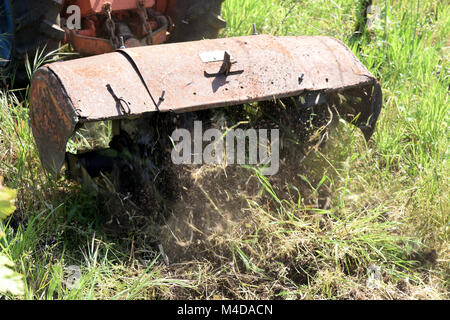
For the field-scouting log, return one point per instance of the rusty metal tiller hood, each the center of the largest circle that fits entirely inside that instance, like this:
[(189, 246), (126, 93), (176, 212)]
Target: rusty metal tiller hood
[(191, 76)]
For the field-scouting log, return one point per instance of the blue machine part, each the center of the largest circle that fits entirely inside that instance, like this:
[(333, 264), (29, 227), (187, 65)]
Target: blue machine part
[(6, 32)]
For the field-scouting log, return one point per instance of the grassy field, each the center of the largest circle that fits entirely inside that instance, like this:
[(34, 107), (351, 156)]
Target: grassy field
[(386, 205)]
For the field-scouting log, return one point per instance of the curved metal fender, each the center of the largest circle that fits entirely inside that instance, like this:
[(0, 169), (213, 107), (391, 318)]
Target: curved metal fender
[(183, 77)]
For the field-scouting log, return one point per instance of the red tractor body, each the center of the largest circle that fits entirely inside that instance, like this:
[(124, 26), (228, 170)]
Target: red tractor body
[(93, 31), (90, 7)]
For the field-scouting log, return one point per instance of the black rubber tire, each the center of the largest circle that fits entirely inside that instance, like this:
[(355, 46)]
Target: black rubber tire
[(196, 20), (36, 26)]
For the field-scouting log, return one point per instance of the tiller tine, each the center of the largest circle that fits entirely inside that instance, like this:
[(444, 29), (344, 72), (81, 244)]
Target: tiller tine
[(189, 76)]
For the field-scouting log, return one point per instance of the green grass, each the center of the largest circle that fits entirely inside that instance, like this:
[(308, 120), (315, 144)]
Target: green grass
[(388, 198)]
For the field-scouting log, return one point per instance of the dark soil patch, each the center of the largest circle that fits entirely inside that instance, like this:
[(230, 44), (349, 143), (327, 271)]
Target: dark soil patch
[(190, 208), (200, 193)]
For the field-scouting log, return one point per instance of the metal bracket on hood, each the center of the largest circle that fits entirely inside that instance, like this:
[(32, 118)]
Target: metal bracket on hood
[(225, 69)]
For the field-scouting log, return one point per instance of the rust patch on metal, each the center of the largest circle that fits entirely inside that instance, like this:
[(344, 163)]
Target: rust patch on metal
[(52, 119), (89, 45)]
